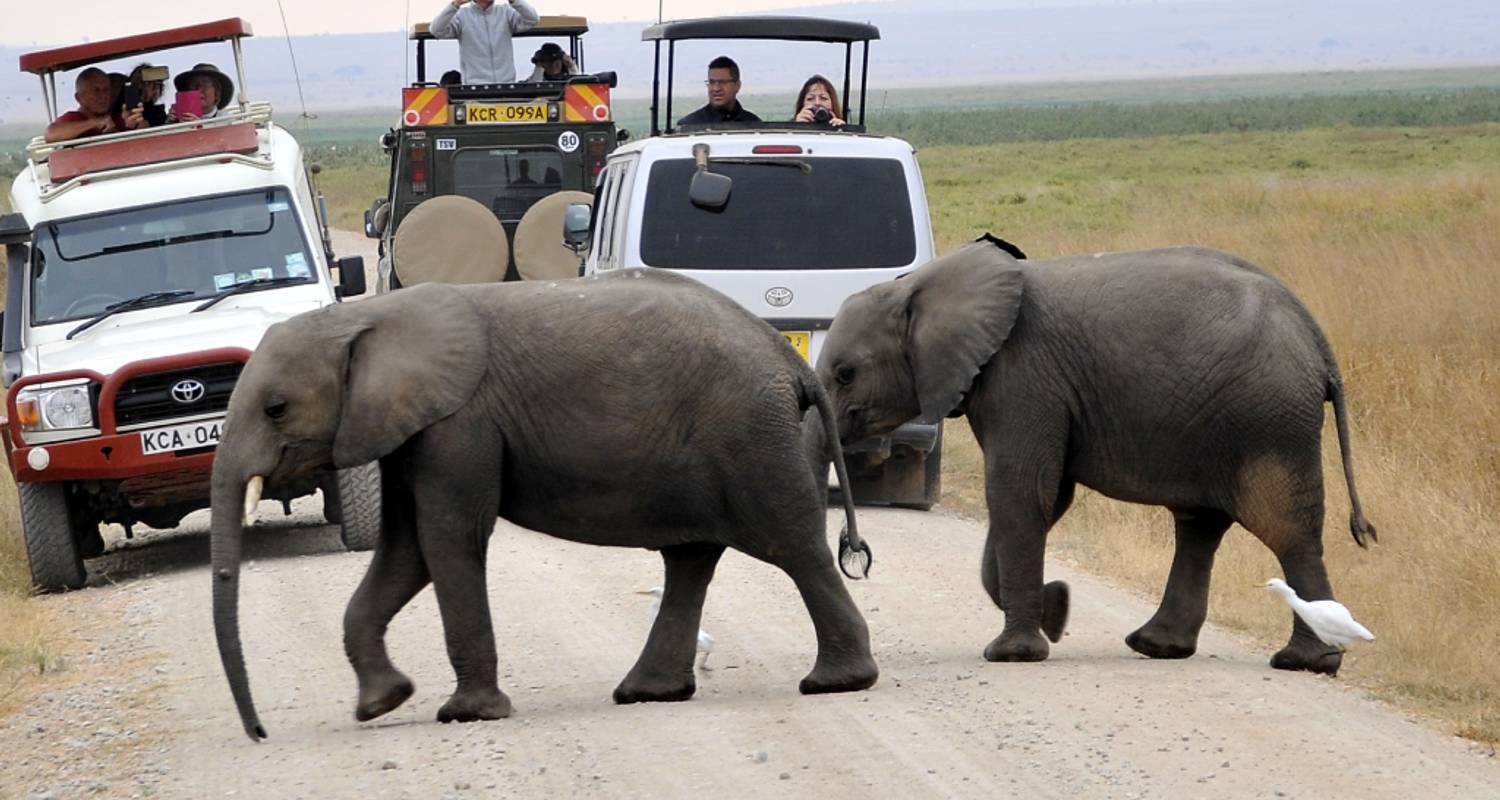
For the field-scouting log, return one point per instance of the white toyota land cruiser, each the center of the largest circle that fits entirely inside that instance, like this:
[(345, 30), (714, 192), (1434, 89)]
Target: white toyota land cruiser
[(142, 269), (788, 219)]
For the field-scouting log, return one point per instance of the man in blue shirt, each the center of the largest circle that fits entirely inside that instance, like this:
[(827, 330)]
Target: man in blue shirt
[(483, 29), (723, 97)]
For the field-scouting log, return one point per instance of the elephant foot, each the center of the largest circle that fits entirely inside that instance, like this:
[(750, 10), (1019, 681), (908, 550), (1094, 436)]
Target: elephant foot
[(1154, 641), (657, 689), (382, 695), (1055, 604), (852, 675), (475, 705), (1018, 646), (1309, 657)]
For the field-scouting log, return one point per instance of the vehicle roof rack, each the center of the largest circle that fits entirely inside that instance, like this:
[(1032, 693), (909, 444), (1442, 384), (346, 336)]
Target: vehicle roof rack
[(796, 29), (782, 28)]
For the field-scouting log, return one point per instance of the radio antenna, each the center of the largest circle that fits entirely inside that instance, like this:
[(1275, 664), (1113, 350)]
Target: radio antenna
[(296, 73)]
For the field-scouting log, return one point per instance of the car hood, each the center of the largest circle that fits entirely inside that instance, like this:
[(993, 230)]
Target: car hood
[(124, 338)]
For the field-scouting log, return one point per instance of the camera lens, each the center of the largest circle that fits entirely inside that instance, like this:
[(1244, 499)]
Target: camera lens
[(822, 115)]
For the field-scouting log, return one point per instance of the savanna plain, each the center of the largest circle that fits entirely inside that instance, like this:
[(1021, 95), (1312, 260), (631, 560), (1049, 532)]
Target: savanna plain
[(1379, 207)]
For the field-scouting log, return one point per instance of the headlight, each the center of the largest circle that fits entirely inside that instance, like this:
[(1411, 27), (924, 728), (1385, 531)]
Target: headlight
[(52, 408)]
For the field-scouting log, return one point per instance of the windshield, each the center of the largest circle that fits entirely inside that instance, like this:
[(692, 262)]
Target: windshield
[(204, 246), (846, 213)]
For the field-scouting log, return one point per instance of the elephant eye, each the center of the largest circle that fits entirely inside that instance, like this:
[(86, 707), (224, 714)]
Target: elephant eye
[(276, 408), (844, 374)]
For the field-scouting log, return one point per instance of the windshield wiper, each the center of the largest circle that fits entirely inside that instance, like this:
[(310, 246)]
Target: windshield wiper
[(765, 162), (144, 301), (241, 288)]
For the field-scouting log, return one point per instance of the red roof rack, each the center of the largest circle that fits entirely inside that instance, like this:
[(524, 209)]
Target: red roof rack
[(65, 58)]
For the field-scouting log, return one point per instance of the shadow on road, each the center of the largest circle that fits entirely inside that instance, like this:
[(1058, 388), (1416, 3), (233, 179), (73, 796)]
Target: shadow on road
[(186, 547)]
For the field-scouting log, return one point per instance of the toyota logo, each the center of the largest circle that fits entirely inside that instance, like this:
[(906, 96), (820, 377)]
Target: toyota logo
[(188, 391), (779, 296)]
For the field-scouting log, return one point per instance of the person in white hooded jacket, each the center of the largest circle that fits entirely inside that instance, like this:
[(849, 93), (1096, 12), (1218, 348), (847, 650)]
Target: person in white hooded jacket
[(483, 29)]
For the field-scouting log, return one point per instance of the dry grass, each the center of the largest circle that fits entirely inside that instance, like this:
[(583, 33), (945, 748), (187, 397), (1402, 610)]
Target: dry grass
[(1401, 266)]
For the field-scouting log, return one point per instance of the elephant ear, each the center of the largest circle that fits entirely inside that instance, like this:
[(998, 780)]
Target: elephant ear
[(416, 357), (960, 309)]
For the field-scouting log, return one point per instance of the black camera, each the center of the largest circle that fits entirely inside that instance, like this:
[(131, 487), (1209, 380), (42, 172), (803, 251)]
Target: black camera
[(822, 115)]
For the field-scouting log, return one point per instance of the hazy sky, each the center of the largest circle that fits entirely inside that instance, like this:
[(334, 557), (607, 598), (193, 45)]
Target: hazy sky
[(37, 24)]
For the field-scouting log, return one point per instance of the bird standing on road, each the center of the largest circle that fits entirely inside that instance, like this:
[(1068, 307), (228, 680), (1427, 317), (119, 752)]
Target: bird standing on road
[(705, 642), (1329, 620)]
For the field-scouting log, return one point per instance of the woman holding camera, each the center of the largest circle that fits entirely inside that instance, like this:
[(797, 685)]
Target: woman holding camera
[(818, 102)]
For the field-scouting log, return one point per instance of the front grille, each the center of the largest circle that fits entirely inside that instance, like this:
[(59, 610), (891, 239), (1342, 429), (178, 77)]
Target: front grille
[(148, 398)]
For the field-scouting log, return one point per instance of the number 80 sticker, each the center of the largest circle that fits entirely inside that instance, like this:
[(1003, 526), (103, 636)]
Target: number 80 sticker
[(568, 141)]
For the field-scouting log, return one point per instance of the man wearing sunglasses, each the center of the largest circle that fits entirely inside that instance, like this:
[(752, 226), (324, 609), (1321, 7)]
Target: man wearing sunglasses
[(723, 92)]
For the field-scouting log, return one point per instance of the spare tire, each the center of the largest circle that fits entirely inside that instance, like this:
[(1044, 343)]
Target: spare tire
[(450, 239), (540, 252)]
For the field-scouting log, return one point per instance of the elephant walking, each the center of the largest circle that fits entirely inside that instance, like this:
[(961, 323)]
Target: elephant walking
[(1182, 377), (638, 409)]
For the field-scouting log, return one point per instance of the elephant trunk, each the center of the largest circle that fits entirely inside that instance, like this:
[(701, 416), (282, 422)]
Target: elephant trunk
[(231, 504)]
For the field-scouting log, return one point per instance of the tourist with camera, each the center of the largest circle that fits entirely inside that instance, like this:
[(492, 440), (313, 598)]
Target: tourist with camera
[(818, 103)]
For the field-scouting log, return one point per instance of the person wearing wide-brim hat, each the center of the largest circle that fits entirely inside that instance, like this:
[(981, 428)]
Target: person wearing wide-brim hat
[(552, 64), (216, 87)]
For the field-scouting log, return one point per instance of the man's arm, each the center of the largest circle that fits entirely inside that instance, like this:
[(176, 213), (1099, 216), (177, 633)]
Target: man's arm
[(444, 24), (526, 17), (66, 128)]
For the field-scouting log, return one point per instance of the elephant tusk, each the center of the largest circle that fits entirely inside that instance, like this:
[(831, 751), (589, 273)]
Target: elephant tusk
[(252, 498)]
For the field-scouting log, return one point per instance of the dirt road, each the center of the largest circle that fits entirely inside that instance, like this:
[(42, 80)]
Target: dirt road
[(151, 715)]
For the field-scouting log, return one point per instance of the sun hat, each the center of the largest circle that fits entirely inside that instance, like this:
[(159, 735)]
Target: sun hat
[(184, 81)]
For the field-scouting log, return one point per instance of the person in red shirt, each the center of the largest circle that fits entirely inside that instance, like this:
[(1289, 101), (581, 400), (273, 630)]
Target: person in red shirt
[(93, 115)]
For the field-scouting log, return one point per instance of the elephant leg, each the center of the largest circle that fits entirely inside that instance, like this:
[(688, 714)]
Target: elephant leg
[(1055, 594), (397, 572), (1303, 566), (664, 671), (1172, 632), (456, 513), (1281, 502), (844, 662)]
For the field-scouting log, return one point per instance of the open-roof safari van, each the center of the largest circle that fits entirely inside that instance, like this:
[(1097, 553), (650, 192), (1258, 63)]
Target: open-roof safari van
[(787, 218), (142, 268), (498, 161)]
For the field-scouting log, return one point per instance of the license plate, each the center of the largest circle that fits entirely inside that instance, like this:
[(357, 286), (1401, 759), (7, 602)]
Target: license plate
[(181, 437), (800, 341), (501, 113)]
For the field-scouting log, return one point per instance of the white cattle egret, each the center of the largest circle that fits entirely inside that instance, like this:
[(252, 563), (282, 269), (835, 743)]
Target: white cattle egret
[(1332, 623), (705, 642)]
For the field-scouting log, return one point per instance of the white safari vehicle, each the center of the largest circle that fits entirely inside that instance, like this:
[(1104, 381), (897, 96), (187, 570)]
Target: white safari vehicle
[(142, 268), (787, 218)]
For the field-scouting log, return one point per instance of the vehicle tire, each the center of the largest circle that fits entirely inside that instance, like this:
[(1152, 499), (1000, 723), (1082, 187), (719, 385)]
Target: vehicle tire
[(51, 546), (358, 504)]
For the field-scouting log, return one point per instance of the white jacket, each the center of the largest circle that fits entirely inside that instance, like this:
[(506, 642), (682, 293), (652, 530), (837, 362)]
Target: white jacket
[(485, 54)]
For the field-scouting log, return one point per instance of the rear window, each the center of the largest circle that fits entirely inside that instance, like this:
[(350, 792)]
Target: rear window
[(507, 180), (843, 213)]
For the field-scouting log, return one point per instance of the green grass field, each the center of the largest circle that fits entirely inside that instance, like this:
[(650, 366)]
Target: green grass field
[(1377, 202)]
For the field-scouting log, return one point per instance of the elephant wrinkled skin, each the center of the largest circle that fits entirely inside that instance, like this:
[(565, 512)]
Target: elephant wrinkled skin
[(639, 409), (1182, 377)]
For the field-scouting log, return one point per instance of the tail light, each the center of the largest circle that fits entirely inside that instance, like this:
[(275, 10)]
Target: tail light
[(598, 144), (416, 166)]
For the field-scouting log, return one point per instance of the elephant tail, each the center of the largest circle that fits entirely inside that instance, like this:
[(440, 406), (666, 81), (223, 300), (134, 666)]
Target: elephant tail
[(854, 552), (1363, 531)]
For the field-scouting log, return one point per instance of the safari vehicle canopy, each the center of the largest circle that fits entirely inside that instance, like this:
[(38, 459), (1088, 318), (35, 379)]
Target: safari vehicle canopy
[(143, 267), (791, 29), (506, 147)]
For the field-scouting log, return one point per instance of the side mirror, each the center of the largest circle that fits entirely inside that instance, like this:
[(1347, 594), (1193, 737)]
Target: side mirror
[(14, 229), (576, 226), (351, 276), (377, 216), (708, 190), (622, 136)]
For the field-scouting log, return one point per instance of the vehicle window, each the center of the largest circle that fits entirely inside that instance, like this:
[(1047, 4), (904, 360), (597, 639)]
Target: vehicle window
[(508, 181), (843, 213), (205, 245), (611, 213)]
